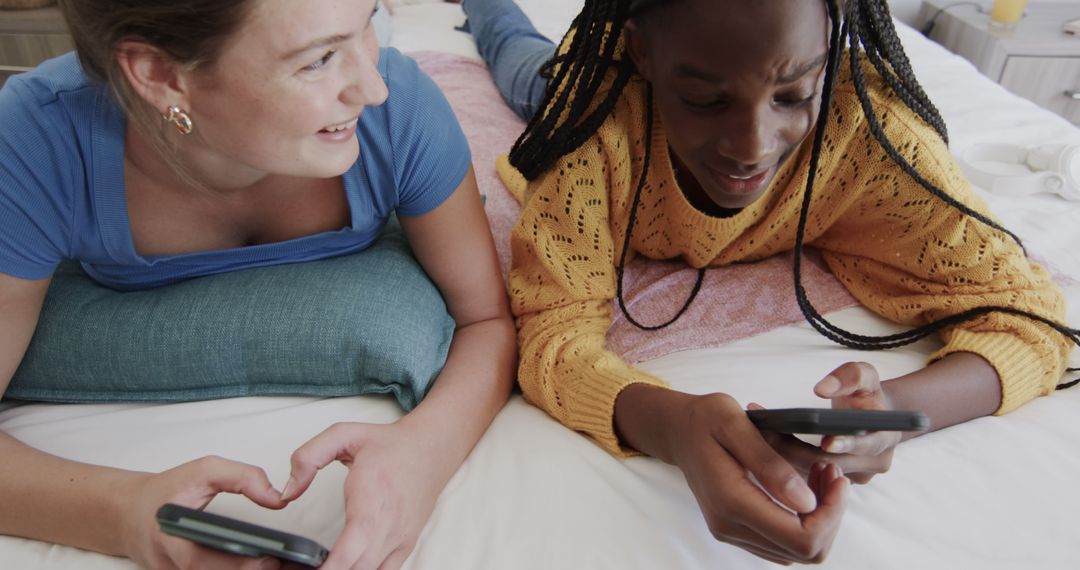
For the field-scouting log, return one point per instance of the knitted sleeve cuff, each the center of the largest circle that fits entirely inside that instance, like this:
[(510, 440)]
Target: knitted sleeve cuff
[(592, 409), (1025, 374)]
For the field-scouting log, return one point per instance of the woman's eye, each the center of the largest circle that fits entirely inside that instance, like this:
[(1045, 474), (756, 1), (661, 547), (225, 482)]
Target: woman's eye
[(796, 100), (703, 104), (321, 62)]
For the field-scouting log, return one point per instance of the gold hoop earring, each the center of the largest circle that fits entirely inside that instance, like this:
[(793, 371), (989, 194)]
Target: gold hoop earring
[(179, 119)]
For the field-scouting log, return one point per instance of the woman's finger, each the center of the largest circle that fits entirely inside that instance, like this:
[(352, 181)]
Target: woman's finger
[(858, 379), (750, 541), (871, 444), (358, 547), (397, 558), (832, 487), (763, 553), (800, 454), (779, 479), (213, 475), (183, 553), (332, 444), (809, 536)]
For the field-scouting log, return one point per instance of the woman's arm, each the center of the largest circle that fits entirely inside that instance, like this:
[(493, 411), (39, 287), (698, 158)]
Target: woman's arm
[(911, 257), (45, 497), (454, 245), (20, 305), (957, 388), (397, 471), (914, 259), (100, 508)]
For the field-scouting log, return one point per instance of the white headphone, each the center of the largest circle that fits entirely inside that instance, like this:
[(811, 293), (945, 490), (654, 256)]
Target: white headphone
[(1020, 171)]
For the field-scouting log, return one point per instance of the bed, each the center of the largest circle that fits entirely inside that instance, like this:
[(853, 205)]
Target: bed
[(997, 492)]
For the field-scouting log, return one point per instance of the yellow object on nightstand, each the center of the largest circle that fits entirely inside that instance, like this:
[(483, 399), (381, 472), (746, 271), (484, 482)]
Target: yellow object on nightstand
[(1033, 57), (1007, 12)]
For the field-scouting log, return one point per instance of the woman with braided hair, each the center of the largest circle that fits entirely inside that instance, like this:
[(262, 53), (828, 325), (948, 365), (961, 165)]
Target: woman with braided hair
[(725, 132), (206, 139)]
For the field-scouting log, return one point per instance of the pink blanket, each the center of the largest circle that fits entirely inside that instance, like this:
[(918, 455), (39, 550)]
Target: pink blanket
[(734, 302)]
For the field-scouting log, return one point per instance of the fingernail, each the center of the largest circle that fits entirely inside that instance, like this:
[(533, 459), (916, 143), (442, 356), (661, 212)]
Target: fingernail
[(269, 563), (839, 445), (800, 495), (828, 385), (288, 487)]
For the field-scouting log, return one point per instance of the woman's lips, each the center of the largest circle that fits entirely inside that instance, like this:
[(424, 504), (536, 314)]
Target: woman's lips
[(742, 184), (340, 132)]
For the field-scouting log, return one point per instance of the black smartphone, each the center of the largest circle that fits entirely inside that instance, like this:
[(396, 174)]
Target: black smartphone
[(829, 421), (238, 537)]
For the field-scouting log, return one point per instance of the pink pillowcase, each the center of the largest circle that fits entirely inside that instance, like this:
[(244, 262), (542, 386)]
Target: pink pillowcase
[(735, 302)]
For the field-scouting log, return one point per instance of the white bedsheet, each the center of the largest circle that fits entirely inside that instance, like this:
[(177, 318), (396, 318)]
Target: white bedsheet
[(993, 493)]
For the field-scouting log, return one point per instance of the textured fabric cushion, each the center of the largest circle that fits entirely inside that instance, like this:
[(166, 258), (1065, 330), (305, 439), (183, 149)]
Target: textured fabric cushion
[(371, 322)]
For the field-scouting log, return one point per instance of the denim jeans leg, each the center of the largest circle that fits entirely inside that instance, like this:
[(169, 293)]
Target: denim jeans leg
[(512, 49)]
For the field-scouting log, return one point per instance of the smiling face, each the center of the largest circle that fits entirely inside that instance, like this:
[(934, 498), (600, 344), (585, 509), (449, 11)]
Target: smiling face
[(286, 92), (737, 85)]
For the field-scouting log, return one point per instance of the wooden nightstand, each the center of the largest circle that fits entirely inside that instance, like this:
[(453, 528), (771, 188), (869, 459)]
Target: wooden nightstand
[(1035, 59), (28, 37)]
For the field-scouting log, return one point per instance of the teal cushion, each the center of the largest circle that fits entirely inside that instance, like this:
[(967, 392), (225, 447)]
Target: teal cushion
[(366, 323)]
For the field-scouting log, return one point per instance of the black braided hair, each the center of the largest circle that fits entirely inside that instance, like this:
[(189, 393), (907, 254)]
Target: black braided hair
[(562, 125), (866, 26), (580, 70)]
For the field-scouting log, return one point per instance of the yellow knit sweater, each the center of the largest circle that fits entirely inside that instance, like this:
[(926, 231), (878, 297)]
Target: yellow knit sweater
[(902, 252)]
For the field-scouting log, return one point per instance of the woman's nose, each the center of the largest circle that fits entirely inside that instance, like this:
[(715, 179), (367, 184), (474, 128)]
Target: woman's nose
[(749, 139), (366, 85)]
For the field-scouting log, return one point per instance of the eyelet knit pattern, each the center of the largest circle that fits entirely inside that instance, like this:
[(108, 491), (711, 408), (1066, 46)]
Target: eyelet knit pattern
[(902, 252)]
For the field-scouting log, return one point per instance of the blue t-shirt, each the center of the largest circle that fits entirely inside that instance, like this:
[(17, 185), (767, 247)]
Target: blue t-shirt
[(62, 178)]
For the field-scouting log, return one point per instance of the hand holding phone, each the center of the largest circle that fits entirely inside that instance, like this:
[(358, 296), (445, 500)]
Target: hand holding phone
[(238, 537), (830, 421)]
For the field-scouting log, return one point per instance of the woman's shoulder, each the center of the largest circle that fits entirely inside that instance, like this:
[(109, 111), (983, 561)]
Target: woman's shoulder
[(55, 101), (51, 117), (396, 66), (891, 113), (872, 131), (47, 137), (414, 102), (50, 81), (413, 144), (623, 130), (624, 134), (874, 85), (405, 80)]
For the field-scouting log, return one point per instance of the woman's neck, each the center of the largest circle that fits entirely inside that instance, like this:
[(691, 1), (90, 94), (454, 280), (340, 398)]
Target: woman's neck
[(202, 173)]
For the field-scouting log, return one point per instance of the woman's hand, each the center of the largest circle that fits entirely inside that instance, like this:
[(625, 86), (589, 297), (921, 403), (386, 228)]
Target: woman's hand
[(736, 477), (852, 385), (192, 484), (857, 385), (390, 491)]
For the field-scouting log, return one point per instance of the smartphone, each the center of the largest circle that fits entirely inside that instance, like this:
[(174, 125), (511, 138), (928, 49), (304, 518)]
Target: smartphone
[(829, 421), (238, 537)]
